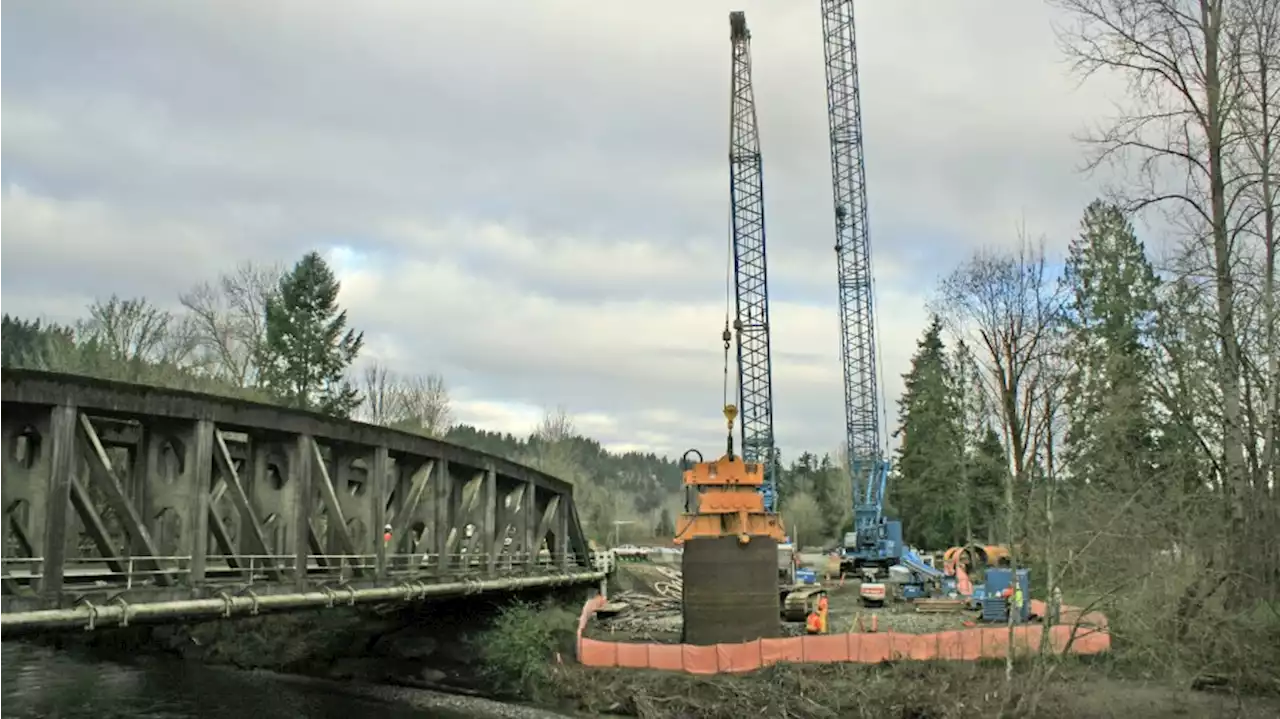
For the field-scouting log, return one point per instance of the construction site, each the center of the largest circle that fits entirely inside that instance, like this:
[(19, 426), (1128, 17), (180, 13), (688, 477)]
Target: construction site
[(645, 601), (739, 582)]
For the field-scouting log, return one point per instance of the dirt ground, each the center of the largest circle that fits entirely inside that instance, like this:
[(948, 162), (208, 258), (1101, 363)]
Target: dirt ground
[(909, 689), (1076, 688), (652, 595)]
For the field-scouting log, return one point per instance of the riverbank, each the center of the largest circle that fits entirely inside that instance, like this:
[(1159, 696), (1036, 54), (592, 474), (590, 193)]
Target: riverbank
[(1069, 690), (437, 646), (523, 654), (522, 643)]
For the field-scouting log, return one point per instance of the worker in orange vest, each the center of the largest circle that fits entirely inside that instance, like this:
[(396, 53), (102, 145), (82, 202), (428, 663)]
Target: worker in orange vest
[(1013, 602), (822, 613), (813, 624)]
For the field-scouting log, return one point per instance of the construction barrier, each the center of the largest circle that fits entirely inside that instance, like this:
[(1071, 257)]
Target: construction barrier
[(863, 648)]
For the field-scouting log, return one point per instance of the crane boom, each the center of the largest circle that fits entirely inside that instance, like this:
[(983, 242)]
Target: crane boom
[(868, 468), (746, 193)]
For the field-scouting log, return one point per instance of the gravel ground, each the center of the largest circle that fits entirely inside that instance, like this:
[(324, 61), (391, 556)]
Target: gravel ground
[(449, 704), (657, 619)]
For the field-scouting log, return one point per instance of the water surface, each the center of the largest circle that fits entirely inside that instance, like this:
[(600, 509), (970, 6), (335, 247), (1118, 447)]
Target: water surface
[(43, 682)]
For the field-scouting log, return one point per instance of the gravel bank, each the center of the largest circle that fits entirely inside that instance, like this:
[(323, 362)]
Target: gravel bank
[(453, 704)]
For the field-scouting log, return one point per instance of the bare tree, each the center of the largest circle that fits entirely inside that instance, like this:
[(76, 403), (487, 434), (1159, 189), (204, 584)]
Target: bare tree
[(1052, 429), (229, 317), (556, 425), (1003, 304), (130, 330), (423, 405), (550, 451), (1180, 130), (414, 403), (1255, 32), (379, 394)]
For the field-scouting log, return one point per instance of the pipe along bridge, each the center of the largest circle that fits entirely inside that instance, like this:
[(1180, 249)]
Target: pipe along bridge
[(127, 503)]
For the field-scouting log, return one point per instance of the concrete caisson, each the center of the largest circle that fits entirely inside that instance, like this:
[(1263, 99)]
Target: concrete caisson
[(730, 590)]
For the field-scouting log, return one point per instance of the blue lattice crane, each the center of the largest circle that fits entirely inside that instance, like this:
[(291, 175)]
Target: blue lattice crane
[(874, 541), (751, 283)]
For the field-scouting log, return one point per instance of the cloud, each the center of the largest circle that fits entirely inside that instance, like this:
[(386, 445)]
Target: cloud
[(529, 197), (653, 365)]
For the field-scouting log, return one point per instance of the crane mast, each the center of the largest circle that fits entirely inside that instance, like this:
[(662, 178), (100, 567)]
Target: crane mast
[(746, 193), (868, 467)]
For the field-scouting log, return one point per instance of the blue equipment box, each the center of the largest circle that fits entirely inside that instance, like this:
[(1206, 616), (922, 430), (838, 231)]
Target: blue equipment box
[(994, 604)]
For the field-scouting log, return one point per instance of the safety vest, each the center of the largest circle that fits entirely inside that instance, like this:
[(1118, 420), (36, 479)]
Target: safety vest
[(813, 623), (1017, 597)]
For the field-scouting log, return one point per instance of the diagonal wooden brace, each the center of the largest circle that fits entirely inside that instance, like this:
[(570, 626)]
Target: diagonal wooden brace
[(233, 484), (101, 469)]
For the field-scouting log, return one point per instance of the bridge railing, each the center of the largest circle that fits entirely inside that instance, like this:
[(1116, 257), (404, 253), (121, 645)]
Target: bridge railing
[(118, 491), (143, 572)]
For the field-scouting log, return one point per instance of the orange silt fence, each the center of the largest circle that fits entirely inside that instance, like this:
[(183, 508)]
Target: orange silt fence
[(960, 645)]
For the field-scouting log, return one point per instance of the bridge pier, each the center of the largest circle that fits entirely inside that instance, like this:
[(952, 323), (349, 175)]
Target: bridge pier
[(166, 503)]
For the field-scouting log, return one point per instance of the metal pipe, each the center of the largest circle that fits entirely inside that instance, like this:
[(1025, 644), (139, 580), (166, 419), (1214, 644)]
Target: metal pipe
[(121, 614)]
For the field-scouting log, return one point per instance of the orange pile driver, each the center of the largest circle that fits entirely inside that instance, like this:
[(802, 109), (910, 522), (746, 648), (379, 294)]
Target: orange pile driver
[(724, 498)]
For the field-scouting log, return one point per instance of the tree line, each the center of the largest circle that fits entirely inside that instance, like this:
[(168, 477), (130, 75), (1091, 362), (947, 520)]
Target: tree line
[(1116, 421), (266, 334)]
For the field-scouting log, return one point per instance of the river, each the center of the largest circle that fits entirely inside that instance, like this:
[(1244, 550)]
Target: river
[(42, 682)]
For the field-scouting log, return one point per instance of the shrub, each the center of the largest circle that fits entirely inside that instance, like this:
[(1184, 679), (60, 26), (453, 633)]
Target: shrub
[(518, 647)]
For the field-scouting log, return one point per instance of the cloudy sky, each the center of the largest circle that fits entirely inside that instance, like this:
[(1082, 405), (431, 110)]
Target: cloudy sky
[(529, 197)]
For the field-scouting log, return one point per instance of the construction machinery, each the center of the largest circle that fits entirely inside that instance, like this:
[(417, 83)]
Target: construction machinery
[(799, 592), (750, 322), (750, 270), (730, 541), (976, 557), (996, 595), (875, 545), (911, 578), (875, 542)]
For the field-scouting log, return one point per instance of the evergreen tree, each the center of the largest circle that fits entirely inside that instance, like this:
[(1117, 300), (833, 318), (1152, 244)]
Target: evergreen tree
[(1185, 362), (834, 492), (666, 525), (826, 483), (982, 473), (931, 454), (33, 344), (308, 347), (800, 477), (19, 341), (1109, 322), (985, 468)]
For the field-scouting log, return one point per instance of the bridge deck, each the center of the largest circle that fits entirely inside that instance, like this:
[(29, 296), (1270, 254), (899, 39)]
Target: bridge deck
[(126, 503)]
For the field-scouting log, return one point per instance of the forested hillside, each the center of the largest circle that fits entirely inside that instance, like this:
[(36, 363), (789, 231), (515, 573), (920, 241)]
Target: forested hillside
[(136, 341), (229, 331)]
